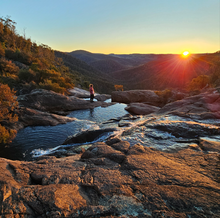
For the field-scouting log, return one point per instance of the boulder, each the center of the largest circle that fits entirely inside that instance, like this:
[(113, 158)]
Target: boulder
[(146, 96), (53, 102), (122, 146), (102, 97), (141, 108), (100, 149)]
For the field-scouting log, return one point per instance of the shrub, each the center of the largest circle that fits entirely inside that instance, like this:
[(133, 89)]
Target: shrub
[(7, 67), (8, 104), (198, 83), (18, 55), (164, 95), (47, 84), (2, 51), (215, 73), (26, 75)]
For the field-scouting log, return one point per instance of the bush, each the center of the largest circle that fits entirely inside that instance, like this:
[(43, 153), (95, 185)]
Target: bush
[(7, 67), (198, 83), (18, 55), (26, 75), (2, 51), (8, 104), (47, 84), (215, 73), (164, 95)]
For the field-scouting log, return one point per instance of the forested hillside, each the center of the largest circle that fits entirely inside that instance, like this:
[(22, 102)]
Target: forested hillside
[(167, 71), (103, 83), (24, 65)]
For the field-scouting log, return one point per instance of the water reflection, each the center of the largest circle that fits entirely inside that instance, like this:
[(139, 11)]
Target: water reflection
[(49, 137), (92, 112)]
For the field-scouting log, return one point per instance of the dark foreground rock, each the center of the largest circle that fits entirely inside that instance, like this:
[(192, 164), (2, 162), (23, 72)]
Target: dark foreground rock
[(106, 181)]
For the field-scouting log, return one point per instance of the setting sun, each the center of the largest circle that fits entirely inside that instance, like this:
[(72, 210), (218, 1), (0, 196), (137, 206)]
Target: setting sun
[(185, 53)]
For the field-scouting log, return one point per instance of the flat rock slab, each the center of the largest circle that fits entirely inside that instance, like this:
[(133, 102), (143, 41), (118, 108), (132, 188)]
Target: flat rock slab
[(141, 108), (109, 181), (53, 102), (81, 93), (146, 96), (31, 117), (202, 106)]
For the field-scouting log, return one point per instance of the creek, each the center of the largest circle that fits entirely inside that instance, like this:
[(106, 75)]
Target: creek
[(163, 132), (40, 140)]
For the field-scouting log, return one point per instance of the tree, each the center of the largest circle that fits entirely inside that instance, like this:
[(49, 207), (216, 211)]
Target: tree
[(8, 103), (198, 83), (7, 67), (215, 72)]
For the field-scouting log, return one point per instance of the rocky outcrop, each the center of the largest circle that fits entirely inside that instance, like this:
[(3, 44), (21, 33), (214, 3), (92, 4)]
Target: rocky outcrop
[(141, 108), (106, 181), (80, 93), (203, 106), (87, 136), (102, 97), (53, 102), (146, 96), (31, 117)]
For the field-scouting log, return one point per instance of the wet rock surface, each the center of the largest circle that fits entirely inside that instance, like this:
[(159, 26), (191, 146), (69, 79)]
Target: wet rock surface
[(106, 182)]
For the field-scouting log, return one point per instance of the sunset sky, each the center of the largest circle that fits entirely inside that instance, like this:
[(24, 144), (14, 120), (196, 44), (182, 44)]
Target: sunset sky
[(119, 26)]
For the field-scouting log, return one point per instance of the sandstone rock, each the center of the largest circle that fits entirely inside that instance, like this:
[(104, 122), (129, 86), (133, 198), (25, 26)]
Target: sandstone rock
[(137, 149), (209, 145), (79, 93), (102, 150), (203, 106), (141, 108), (146, 96), (148, 183), (50, 101), (121, 146), (102, 97), (31, 117), (184, 129)]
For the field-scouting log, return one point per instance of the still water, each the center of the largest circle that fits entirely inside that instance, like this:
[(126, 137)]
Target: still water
[(44, 139)]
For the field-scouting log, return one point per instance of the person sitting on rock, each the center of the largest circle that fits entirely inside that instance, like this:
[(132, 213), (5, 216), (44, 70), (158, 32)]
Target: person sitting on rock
[(91, 90)]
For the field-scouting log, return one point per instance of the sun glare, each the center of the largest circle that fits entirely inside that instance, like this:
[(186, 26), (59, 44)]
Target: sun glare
[(185, 53)]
